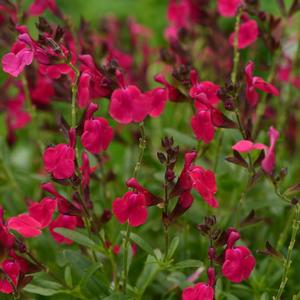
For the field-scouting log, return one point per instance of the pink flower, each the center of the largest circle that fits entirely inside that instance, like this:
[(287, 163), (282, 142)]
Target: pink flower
[(12, 269), (205, 96), (116, 249), (39, 6), (132, 208), (204, 92), (238, 264), (43, 211), (157, 98), (97, 135), (20, 56), (247, 146), (228, 8), (268, 162), (247, 34), (173, 94), (6, 239), (91, 83), (16, 116), (150, 198), (200, 291), (202, 180), (59, 161), (203, 126), (85, 170), (254, 82), (128, 104), (184, 202), (25, 225), (63, 221), (178, 15), (43, 91)]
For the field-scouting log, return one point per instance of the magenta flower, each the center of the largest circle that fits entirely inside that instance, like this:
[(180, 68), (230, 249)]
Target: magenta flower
[(12, 269), (97, 134), (228, 8), (254, 82), (132, 208), (128, 104), (238, 264), (91, 83), (247, 34), (203, 126), (245, 146), (150, 198), (39, 6), (184, 202), (42, 91), (200, 291), (63, 221), (203, 181), (43, 211), (16, 116), (59, 161), (204, 92), (21, 55), (269, 160), (25, 225), (205, 96), (157, 98), (6, 239)]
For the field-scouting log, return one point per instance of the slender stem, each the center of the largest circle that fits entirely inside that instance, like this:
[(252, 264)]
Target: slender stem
[(142, 146), (236, 53), (74, 93), (165, 213), (219, 146), (288, 261), (125, 258)]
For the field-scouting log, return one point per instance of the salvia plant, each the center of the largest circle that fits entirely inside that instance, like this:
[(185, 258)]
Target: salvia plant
[(131, 169)]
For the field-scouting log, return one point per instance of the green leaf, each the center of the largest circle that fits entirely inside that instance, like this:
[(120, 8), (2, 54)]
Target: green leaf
[(189, 263), (68, 276), (117, 297), (31, 288), (88, 273), (75, 236), (173, 246), (181, 138), (151, 268), (140, 242), (97, 284)]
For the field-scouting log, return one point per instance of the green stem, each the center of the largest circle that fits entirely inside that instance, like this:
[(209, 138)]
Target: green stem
[(288, 261), (125, 259), (236, 53), (74, 94), (142, 146), (219, 146), (166, 227)]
